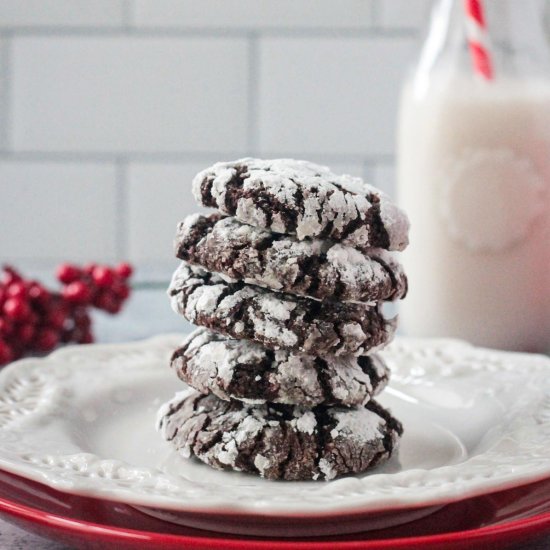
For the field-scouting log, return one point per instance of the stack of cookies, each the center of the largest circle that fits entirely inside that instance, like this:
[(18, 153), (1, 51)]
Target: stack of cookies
[(286, 283)]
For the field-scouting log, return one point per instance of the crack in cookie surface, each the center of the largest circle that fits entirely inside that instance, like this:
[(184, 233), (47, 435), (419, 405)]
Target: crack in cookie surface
[(313, 268), (299, 197), (249, 372), (279, 441), (277, 320)]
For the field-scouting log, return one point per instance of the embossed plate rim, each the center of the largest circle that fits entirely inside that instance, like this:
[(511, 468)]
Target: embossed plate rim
[(522, 454)]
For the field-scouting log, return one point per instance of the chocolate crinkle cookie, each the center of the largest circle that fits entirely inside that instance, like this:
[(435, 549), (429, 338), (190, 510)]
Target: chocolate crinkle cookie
[(311, 267), (287, 283), (277, 320), (299, 197), (279, 441), (246, 371)]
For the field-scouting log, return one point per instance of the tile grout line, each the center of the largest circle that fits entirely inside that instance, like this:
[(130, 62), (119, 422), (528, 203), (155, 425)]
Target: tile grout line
[(121, 207), (111, 157), (253, 95), (180, 157), (207, 32), (5, 96)]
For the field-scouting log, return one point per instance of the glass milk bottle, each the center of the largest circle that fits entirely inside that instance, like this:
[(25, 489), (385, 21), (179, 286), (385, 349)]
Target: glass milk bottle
[(474, 177)]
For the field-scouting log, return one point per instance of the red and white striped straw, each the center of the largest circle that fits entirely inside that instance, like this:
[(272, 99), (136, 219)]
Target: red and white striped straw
[(478, 38)]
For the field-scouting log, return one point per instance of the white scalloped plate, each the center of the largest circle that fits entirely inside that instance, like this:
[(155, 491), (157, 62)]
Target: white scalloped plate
[(82, 421)]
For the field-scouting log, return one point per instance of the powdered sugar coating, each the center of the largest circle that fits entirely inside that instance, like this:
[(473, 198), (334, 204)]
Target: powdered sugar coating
[(314, 268), (277, 320), (238, 369), (296, 196), (305, 422), (355, 424), (309, 236), (276, 441)]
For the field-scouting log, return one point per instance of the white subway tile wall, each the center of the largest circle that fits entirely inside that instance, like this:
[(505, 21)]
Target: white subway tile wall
[(158, 197), (56, 209), (383, 176), (4, 92), (337, 96), (128, 94), (61, 13), (109, 107), (403, 14), (254, 14)]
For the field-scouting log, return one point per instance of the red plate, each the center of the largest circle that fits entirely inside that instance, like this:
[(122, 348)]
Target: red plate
[(500, 518)]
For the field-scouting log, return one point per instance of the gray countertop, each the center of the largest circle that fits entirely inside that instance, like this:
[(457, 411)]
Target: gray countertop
[(146, 314)]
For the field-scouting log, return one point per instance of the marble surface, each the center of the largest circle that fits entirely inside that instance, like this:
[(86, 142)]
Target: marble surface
[(146, 314)]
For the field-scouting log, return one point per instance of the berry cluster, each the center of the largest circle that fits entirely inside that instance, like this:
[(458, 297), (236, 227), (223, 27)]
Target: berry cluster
[(34, 319)]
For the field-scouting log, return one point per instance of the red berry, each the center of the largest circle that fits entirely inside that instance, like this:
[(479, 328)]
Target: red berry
[(16, 351), (32, 318), (46, 339), (25, 333), (16, 309), (86, 338), (17, 289), (66, 335), (121, 291), (67, 273), (6, 353), (38, 294), (108, 302), (103, 276), (10, 275), (89, 268), (124, 269), (82, 319), (55, 318), (103, 299), (6, 326), (79, 311), (77, 293)]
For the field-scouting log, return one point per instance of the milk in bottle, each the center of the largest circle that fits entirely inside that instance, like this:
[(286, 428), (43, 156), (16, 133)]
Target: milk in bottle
[(474, 177)]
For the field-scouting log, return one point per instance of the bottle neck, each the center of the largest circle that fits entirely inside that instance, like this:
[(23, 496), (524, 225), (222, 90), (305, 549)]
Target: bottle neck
[(515, 39)]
